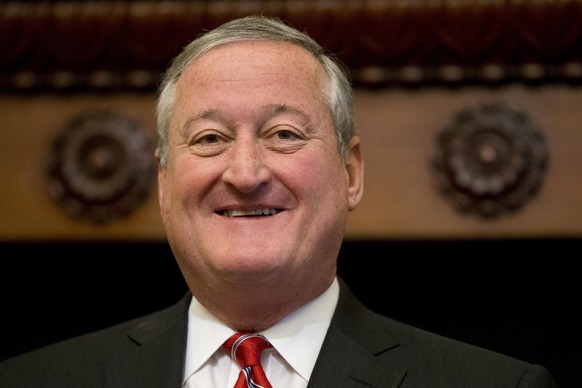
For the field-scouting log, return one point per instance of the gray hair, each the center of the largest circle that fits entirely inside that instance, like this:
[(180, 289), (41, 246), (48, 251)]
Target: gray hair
[(337, 90)]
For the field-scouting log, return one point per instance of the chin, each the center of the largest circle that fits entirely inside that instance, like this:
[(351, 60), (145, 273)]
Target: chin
[(250, 262)]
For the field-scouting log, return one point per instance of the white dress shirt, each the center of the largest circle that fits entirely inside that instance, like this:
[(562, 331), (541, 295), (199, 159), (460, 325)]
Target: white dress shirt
[(296, 341)]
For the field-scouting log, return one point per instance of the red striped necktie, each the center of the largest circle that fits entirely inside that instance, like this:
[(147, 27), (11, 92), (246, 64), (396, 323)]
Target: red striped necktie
[(245, 348)]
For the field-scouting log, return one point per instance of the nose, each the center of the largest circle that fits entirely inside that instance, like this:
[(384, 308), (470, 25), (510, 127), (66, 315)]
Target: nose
[(246, 170)]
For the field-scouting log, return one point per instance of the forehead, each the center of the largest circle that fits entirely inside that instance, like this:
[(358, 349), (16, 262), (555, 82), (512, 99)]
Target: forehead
[(241, 78), (256, 58)]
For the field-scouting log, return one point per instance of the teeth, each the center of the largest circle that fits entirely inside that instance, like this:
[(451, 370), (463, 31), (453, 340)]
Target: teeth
[(256, 212)]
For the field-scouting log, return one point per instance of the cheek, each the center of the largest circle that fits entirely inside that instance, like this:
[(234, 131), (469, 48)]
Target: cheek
[(319, 178), (184, 180)]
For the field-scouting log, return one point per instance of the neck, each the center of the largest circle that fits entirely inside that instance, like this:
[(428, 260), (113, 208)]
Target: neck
[(248, 306)]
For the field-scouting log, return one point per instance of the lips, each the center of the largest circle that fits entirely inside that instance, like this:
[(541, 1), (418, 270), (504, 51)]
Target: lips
[(249, 213)]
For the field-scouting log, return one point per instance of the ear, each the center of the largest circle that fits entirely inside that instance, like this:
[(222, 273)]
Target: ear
[(161, 178), (355, 172)]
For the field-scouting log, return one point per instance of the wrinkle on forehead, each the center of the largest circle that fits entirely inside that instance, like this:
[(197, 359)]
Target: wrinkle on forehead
[(266, 112), (267, 57), (241, 67)]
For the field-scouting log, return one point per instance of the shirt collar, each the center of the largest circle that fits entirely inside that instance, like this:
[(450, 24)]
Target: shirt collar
[(297, 337)]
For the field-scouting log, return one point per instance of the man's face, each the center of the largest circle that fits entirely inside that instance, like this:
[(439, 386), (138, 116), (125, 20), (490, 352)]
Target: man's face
[(255, 188)]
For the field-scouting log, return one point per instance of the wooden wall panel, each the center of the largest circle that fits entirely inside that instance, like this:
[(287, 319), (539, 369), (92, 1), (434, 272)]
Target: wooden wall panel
[(415, 64), (28, 125), (398, 128)]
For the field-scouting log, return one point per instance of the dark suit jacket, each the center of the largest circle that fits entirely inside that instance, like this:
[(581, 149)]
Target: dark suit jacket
[(361, 349)]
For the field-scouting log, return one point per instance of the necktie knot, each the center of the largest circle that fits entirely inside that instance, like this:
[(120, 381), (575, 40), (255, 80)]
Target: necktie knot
[(245, 348)]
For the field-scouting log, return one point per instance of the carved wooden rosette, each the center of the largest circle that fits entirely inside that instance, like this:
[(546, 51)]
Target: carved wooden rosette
[(101, 167), (490, 160)]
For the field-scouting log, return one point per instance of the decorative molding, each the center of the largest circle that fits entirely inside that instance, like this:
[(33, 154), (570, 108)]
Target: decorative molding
[(100, 167), (490, 160), (119, 45)]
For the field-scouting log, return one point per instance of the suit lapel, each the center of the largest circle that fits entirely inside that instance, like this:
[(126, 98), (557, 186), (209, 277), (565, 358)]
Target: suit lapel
[(343, 363), (349, 356), (158, 358)]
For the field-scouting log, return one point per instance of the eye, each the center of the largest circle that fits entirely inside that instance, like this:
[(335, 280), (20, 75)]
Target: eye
[(211, 138), (285, 139), (209, 143), (286, 134)]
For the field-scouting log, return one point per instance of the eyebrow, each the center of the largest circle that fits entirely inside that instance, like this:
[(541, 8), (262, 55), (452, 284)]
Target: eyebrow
[(208, 114), (306, 120), (267, 112)]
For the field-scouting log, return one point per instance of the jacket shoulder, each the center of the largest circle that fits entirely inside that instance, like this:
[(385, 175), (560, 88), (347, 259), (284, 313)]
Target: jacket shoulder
[(80, 361), (399, 353)]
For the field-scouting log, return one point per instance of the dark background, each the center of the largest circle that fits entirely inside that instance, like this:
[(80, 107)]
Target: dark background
[(519, 297)]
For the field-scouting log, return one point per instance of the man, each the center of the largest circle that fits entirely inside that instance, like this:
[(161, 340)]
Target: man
[(259, 167)]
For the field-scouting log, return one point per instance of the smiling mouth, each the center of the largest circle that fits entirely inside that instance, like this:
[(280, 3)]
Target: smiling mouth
[(249, 213)]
